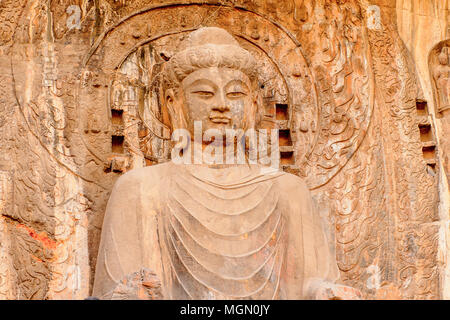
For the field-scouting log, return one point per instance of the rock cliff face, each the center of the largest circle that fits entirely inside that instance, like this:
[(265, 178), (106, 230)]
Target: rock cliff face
[(358, 89)]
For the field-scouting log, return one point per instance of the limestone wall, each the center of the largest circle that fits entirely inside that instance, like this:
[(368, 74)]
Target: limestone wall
[(424, 26), (349, 84)]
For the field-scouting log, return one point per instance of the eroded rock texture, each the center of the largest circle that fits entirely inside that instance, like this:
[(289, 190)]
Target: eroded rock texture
[(360, 103)]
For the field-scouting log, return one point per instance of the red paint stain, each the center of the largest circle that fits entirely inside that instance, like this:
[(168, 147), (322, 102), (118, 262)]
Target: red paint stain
[(41, 237)]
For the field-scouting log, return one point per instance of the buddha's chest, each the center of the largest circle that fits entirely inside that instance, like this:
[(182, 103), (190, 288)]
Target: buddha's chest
[(223, 242)]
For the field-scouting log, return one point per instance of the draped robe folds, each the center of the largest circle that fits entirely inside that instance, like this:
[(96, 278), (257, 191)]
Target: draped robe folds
[(214, 233)]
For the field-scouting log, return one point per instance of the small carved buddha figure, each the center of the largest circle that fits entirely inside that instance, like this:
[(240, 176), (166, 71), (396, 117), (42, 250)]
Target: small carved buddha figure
[(442, 78), (200, 231)]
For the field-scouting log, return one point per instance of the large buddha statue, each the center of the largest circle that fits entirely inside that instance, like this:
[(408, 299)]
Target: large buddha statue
[(207, 231)]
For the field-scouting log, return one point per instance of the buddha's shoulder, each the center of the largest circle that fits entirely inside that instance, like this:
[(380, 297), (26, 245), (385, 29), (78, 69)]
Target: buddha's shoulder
[(291, 184), (293, 193), (141, 176)]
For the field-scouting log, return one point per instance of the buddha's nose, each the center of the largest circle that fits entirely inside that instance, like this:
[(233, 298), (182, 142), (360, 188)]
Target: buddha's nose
[(221, 108)]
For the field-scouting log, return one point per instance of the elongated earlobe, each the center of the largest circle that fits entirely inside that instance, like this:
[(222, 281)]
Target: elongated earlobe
[(257, 111), (173, 108), (169, 112)]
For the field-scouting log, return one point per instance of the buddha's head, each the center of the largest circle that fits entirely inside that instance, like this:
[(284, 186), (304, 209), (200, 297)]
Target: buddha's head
[(213, 80), (443, 57)]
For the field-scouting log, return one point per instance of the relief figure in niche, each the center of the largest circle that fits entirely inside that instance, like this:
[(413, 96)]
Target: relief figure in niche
[(442, 78), (213, 231)]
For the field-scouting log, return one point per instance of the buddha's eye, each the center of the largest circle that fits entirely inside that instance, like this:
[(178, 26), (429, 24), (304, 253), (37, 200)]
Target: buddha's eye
[(204, 94), (236, 94)]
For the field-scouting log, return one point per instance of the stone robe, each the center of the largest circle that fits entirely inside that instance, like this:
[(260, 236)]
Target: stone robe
[(214, 233)]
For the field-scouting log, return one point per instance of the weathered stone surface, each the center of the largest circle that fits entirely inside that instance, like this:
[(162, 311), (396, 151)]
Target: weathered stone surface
[(215, 230), (355, 87)]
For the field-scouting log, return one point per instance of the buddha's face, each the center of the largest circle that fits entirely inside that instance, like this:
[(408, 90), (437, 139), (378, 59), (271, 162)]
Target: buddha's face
[(443, 58), (220, 98)]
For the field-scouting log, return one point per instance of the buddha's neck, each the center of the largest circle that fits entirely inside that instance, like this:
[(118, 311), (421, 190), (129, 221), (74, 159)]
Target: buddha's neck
[(215, 156)]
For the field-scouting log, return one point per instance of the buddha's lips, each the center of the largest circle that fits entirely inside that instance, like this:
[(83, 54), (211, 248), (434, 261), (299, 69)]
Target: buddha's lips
[(220, 119)]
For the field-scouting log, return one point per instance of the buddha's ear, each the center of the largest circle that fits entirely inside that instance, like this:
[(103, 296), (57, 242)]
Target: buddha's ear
[(251, 115), (169, 115), (258, 111), (172, 111)]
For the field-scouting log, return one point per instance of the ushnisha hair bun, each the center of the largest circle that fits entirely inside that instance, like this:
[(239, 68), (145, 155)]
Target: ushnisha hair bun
[(209, 47)]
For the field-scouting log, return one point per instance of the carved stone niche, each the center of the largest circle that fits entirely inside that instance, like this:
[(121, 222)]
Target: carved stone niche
[(131, 72), (322, 108), (317, 136), (439, 64), (320, 97)]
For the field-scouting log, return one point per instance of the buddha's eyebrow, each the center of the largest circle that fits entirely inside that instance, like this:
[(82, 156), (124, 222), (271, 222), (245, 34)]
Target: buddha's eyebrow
[(203, 82), (237, 82)]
